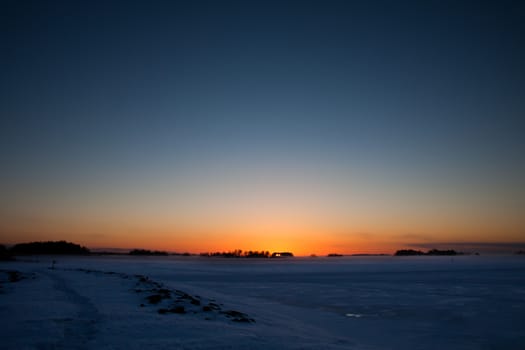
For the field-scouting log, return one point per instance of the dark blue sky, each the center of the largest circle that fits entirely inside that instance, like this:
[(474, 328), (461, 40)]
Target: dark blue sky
[(416, 95)]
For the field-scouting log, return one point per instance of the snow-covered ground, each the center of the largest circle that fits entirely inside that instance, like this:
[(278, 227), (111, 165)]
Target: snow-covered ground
[(113, 302)]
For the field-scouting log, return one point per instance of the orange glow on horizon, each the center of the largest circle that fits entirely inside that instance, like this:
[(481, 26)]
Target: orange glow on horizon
[(272, 232)]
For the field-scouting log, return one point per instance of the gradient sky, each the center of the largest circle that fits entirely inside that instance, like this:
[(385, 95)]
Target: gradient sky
[(310, 126)]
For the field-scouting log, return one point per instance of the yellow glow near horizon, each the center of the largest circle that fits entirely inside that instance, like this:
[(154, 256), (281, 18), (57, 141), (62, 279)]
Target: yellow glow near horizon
[(251, 210), (302, 240)]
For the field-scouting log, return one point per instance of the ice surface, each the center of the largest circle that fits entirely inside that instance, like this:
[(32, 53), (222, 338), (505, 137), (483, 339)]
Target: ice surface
[(465, 302)]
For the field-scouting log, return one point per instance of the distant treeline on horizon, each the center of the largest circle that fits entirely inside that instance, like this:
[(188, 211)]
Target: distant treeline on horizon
[(68, 248), (238, 253), (38, 248), (412, 252)]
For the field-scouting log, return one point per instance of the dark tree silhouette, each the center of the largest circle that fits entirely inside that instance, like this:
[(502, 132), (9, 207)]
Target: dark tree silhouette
[(4, 253), (411, 252), (408, 252), (442, 252), (238, 253), (147, 252), (58, 247)]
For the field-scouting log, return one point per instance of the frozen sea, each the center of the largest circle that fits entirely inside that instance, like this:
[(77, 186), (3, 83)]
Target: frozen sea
[(105, 302)]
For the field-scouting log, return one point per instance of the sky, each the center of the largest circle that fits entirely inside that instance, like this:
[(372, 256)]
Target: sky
[(305, 126)]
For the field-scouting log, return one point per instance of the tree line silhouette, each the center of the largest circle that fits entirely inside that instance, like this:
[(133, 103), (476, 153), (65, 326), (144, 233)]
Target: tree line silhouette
[(412, 252), (148, 252), (50, 247), (238, 253)]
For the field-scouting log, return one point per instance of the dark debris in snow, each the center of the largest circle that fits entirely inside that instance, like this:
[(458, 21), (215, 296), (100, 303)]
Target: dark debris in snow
[(175, 301)]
